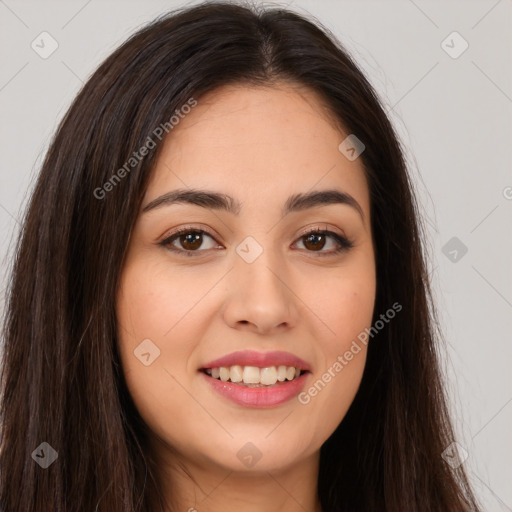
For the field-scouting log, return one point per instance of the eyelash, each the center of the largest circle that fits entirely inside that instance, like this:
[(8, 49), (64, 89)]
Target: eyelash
[(344, 243)]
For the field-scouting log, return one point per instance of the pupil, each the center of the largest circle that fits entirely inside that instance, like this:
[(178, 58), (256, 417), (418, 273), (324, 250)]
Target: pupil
[(191, 240), (314, 239)]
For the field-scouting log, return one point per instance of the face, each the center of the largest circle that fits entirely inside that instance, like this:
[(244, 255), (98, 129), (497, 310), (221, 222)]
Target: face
[(262, 286)]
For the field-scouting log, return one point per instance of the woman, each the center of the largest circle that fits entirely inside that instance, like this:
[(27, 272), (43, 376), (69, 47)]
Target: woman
[(219, 299)]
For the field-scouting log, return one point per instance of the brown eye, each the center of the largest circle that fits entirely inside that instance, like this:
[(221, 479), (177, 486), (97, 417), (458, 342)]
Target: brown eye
[(191, 241), (325, 242), (314, 241)]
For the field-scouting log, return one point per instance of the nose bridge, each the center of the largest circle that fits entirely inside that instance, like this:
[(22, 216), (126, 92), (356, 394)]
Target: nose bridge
[(259, 293), (258, 268)]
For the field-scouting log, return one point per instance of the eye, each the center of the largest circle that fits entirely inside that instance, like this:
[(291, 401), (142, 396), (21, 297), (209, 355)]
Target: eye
[(188, 240), (191, 241), (317, 239)]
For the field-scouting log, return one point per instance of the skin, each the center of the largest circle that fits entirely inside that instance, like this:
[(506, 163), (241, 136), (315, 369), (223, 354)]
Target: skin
[(259, 145)]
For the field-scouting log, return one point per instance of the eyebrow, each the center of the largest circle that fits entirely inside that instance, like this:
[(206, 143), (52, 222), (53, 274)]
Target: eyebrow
[(219, 201)]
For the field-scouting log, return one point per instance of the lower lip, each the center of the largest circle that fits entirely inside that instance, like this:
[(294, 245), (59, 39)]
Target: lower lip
[(258, 397)]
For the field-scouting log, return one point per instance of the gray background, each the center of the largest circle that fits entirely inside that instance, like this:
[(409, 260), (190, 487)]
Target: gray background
[(453, 115)]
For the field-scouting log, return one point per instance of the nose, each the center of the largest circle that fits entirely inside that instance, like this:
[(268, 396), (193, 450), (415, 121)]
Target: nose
[(260, 297)]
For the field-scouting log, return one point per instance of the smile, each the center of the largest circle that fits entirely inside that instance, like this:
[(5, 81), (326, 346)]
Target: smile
[(256, 379), (252, 376)]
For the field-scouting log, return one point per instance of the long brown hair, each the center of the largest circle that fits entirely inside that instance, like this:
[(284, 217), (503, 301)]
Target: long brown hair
[(62, 382)]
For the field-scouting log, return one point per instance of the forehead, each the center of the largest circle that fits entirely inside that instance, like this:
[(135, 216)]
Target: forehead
[(258, 143)]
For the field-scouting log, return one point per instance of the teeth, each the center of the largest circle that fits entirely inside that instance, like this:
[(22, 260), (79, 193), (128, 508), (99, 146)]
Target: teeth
[(254, 376), (236, 373), (251, 375), (269, 376), (224, 373)]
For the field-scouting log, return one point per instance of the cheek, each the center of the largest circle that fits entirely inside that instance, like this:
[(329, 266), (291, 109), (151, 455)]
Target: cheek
[(331, 390), (345, 308), (343, 300), (345, 305), (146, 325), (330, 393), (153, 300)]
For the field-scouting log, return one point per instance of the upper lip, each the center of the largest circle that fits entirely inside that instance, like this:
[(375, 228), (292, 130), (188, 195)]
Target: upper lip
[(259, 359)]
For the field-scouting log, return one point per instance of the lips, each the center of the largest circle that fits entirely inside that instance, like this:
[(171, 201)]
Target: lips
[(258, 397), (259, 359), (281, 389)]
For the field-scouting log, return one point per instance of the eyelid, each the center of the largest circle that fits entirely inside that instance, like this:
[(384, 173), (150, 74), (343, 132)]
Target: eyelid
[(166, 241), (343, 242), (321, 227), (189, 227)]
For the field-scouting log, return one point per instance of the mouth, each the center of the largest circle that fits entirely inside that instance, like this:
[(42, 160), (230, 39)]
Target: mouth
[(254, 377)]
